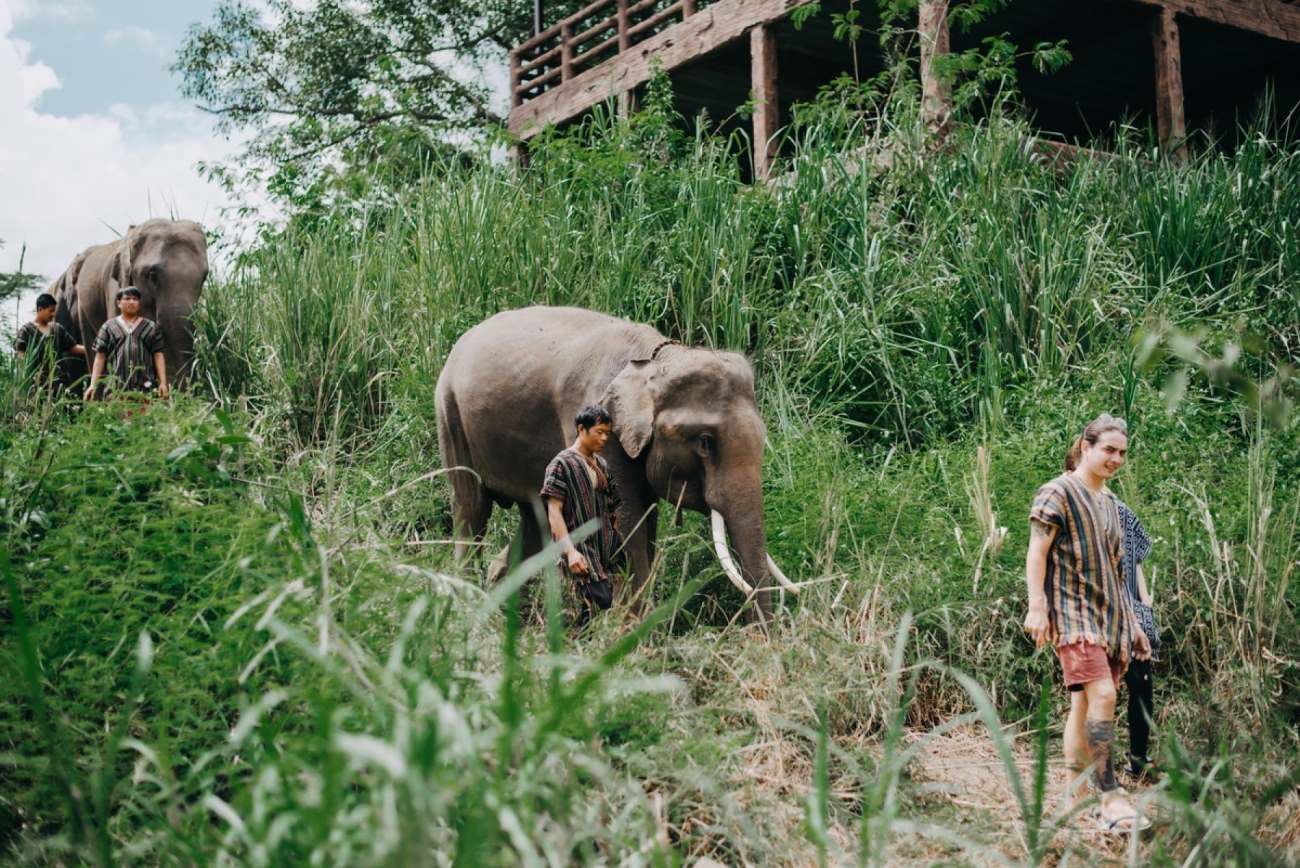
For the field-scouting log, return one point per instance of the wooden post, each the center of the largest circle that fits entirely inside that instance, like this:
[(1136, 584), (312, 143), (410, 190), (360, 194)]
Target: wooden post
[(537, 17), (627, 103), (516, 98), (767, 110), (936, 91), (688, 8), (1171, 121), (566, 51), (624, 38)]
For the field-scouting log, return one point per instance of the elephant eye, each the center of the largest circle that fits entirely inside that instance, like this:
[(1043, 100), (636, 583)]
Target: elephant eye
[(707, 443)]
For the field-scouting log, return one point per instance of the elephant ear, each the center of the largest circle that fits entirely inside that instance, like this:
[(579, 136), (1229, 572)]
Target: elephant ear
[(630, 403)]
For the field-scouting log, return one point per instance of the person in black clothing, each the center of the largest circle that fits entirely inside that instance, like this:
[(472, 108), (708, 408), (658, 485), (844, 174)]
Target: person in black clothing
[(1138, 678), (42, 344)]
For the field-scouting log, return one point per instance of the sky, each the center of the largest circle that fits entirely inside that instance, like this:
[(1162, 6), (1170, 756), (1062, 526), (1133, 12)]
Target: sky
[(94, 134)]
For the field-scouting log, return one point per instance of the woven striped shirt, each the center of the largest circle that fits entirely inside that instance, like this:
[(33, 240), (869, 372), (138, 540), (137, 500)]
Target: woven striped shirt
[(569, 480), (1086, 597), (130, 352), (44, 350)]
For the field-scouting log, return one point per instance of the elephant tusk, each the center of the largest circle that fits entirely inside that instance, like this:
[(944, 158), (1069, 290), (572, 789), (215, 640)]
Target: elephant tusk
[(724, 554), (780, 576)]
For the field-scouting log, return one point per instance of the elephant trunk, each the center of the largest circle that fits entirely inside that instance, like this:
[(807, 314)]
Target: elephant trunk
[(179, 349), (736, 506)]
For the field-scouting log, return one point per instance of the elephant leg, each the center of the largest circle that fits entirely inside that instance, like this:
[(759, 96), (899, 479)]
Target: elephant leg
[(528, 541), (640, 546), (471, 504), (471, 507)]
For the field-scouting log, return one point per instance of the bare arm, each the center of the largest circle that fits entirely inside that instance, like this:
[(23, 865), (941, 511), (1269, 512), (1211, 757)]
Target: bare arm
[(1040, 542), (560, 533), (160, 365), (1143, 594), (96, 374), (78, 350)]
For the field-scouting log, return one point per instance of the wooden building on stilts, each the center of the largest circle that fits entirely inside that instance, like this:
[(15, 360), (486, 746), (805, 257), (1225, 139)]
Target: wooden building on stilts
[(1182, 66)]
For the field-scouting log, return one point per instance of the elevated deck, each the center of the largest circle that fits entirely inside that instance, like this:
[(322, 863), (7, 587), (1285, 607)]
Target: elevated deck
[(1179, 64)]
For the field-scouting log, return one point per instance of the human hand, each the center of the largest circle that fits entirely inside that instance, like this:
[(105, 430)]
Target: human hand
[(1141, 644), (89, 394), (1036, 625), (164, 392), (577, 563)]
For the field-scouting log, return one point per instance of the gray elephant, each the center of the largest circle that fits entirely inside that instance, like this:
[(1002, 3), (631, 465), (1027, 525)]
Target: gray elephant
[(166, 259), (686, 430)]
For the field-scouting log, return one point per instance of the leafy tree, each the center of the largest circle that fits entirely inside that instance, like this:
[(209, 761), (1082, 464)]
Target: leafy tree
[(332, 87), (13, 283)]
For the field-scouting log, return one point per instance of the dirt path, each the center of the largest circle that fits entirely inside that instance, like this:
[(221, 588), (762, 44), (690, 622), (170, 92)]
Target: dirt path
[(962, 776)]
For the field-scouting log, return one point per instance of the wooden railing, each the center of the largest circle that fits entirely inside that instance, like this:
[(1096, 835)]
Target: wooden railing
[(590, 36)]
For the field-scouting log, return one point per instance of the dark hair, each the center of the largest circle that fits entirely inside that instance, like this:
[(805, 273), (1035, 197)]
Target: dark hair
[(45, 300), (590, 417), (1092, 433)]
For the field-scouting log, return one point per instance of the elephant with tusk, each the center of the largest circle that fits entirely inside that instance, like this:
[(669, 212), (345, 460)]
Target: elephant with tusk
[(685, 422), (167, 260)]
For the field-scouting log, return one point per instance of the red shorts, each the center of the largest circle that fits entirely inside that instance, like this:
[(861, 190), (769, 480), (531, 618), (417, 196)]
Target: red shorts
[(1082, 662)]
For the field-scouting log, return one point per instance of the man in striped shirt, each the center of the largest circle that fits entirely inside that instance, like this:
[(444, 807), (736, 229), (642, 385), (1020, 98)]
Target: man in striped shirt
[(1077, 601), (576, 490), (42, 345), (130, 348)]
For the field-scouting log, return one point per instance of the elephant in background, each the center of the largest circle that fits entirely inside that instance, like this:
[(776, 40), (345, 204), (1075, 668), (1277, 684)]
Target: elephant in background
[(685, 421), (167, 260)]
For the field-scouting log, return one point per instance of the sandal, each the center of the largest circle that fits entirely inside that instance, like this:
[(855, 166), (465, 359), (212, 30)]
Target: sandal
[(1121, 825)]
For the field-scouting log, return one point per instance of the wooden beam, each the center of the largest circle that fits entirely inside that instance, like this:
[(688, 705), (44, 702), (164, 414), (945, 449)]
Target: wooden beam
[(1270, 17), (767, 108), (936, 91), (1171, 122), (704, 32)]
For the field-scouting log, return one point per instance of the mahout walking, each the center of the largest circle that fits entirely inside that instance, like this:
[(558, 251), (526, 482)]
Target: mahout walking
[(129, 348), (579, 489), (42, 345)]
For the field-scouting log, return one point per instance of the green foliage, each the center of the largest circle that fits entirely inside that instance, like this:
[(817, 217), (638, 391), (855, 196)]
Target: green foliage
[(233, 633), (328, 88), (13, 283)]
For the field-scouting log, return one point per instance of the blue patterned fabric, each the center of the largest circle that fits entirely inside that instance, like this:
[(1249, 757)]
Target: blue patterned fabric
[(1137, 545)]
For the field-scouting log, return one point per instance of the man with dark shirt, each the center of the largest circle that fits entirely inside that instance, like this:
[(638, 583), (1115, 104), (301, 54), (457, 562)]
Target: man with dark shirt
[(42, 344), (577, 489), (130, 348)]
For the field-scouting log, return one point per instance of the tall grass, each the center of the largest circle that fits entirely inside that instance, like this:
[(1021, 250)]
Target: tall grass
[(320, 683), (904, 293)]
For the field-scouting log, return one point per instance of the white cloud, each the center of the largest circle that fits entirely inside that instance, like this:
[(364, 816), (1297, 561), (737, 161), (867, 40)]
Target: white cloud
[(51, 10), (69, 181), (138, 37)]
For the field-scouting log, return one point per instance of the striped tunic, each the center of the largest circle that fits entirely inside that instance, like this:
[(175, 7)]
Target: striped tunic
[(44, 350), (1086, 597), (130, 352), (569, 480)]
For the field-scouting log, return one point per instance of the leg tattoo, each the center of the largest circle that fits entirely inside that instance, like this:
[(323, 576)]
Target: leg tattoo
[(1101, 742)]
